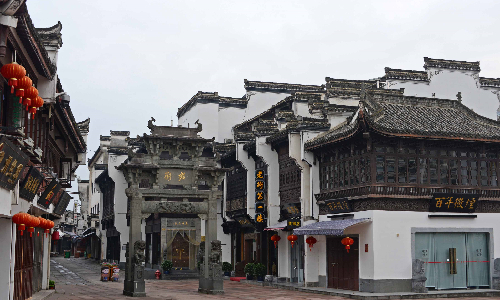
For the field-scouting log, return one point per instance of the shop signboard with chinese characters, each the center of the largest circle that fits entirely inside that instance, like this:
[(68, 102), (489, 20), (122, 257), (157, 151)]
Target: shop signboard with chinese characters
[(260, 196), (338, 206), (12, 163), (168, 177), (292, 223), (62, 204), (31, 183), (50, 192), (458, 203), (244, 221)]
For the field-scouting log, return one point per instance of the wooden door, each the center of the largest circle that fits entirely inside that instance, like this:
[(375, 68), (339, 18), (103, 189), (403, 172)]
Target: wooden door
[(180, 251), (23, 268), (37, 260), (343, 267)]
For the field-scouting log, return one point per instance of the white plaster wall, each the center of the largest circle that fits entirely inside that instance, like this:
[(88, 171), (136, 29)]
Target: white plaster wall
[(270, 157), (313, 174), (227, 118), (447, 83), (336, 118), (393, 253), (207, 114), (6, 257), (225, 239), (5, 202), (349, 101), (46, 261), (249, 164), (261, 101), (283, 255), (120, 200), (301, 109)]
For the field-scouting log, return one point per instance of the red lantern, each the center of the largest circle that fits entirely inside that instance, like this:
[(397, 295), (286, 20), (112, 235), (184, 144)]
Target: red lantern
[(55, 236), (29, 96), (32, 223), (35, 103), (275, 238), (22, 85), (292, 238), (347, 242), (311, 241), (13, 72), (21, 219)]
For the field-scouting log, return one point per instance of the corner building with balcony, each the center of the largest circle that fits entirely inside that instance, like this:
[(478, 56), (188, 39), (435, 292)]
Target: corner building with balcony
[(404, 174)]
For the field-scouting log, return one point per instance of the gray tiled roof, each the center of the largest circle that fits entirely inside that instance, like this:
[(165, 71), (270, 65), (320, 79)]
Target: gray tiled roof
[(415, 117)]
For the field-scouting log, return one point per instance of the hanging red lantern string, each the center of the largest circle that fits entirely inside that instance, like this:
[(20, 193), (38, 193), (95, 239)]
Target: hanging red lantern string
[(35, 103), (292, 238), (311, 241), (46, 224), (32, 223), (21, 219), (29, 95), (23, 84), (41, 225), (275, 238), (347, 242), (12, 72)]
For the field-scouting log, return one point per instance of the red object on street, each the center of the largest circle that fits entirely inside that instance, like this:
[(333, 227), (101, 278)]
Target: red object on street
[(32, 223), (292, 238), (12, 72), (347, 242), (275, 238), (21, 219), (157, 274), (22, 85), (311, 241), (55, 235), (30, 95)]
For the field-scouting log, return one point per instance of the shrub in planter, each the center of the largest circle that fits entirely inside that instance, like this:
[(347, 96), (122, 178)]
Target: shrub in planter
[(52, 284), (249, 270), (260, 271), (166, 265), (227, 268)]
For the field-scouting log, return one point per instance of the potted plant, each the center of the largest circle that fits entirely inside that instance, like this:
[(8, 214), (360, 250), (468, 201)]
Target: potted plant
[(227, 268), (259, 270), (249, 270), (167, 265), (52, 285)]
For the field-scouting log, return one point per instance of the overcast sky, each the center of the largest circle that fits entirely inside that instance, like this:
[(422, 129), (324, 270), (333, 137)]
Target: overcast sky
[(125, 61)]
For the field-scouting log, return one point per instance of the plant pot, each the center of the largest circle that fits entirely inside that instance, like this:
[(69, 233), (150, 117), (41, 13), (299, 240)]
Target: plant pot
[(260, 278), (52, 287), (249, 277), (166, 272), (227, 274)]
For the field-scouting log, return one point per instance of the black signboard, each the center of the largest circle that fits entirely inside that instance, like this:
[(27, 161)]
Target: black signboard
[(31, 183), (49, 194), (260, 207), (260, 185), (338, 206), (244, 220), (292, 223), (260, 218), (292, 210), (460, 203), (12, 163), (259, 174), (260, 196), (62, 204)]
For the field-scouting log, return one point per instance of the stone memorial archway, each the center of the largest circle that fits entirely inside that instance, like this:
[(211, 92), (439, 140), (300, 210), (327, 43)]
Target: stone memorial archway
[(173, 172)]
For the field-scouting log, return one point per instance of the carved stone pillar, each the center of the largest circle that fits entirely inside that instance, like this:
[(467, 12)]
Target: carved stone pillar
[(211, 281), (134, 271)]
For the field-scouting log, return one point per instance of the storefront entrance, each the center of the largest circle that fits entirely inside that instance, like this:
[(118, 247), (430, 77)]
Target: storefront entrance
[(297, 265), (343, 267), (454, 260), (180, 251)]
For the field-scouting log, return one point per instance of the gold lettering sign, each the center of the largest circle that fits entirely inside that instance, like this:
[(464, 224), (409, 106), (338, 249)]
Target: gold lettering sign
[(462, 203)]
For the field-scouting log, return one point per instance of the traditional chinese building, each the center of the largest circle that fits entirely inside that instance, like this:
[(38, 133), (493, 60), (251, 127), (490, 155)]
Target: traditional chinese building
[(39, 152), (276, 137)]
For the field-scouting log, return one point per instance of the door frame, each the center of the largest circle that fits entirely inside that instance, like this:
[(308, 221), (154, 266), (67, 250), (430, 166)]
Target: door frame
[(327, 264), (488, 231)]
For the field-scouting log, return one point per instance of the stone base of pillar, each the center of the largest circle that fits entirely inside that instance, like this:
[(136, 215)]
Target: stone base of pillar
[(134, 288), (311, 283), (211, 286)]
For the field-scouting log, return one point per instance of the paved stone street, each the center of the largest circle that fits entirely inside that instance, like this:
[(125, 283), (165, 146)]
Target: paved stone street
[(79, 279)]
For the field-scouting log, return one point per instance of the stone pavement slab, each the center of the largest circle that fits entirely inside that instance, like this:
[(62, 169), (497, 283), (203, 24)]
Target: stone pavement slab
[(80, 280)]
